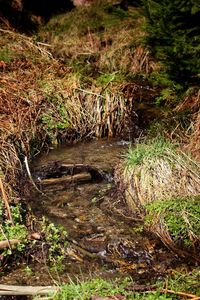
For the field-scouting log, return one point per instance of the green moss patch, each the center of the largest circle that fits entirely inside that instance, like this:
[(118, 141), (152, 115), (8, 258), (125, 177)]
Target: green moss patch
[(179, 216)]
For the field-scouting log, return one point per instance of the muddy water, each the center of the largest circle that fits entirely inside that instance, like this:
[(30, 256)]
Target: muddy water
[(104, 238)]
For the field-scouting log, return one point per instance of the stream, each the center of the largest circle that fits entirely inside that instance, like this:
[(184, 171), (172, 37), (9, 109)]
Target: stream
[(104, 237)]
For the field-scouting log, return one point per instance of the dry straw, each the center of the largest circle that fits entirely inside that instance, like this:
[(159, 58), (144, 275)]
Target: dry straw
[(164, 177)]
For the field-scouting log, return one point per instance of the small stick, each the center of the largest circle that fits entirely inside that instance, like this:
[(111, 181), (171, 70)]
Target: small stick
[(5, 199), (27, 290), (8, 242), (30, 176), (180, 294)]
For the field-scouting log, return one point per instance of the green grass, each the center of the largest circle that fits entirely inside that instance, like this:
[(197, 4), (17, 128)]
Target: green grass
[(187, 281), (178, 281), (103, 288), (149, 151)]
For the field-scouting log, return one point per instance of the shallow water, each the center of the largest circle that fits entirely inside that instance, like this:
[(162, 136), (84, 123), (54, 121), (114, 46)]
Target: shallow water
[(104, 236)]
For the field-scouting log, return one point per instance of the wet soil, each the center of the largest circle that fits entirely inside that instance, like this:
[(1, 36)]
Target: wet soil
[(105, 239)]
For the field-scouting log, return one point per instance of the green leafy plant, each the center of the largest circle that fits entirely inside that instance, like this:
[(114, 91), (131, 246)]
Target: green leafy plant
[(9, 231), (55, 237)]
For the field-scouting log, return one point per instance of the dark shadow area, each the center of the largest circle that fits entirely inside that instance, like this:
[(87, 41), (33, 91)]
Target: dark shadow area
[(47, 8), (27, 15)]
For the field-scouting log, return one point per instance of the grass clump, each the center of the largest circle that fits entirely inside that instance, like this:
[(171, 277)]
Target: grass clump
[(187, 281), (164, 182), (84, 290), (150, 151)]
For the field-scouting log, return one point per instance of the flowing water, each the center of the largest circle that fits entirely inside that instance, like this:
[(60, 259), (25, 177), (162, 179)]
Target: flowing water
[(104, 237)]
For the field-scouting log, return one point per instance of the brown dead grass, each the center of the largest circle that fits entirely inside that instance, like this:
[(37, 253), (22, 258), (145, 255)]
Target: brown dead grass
[(33, 84), (23, 63), (173, 175), (113, 47), (191, 103)]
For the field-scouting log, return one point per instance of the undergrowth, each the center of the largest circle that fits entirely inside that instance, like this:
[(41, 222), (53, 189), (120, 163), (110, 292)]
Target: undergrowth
[(100, 43), (67, 83), (102, 288)]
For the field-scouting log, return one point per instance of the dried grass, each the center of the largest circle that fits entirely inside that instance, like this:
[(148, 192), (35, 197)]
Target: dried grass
[(97, 115), (194, 143), (33, 85), (20, 99), (106, 42), (191, 104)]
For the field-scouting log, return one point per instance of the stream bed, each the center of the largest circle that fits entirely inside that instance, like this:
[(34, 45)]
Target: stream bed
[(105, 239)]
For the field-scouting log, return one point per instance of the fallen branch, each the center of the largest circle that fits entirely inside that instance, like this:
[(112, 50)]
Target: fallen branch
[(184, 294), (82, 177), (5, 199), (13, 290)]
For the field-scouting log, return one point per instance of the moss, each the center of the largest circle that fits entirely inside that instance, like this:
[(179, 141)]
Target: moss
[(180, 216)]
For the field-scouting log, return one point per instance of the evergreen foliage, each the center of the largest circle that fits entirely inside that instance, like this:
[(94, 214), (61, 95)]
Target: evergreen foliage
[(173, 28)]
